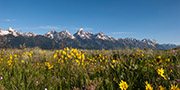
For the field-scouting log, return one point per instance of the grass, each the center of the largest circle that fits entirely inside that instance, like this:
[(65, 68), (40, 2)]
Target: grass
[(36, 69)]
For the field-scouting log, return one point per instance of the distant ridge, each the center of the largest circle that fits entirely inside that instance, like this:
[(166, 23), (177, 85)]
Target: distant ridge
[(11, 38)]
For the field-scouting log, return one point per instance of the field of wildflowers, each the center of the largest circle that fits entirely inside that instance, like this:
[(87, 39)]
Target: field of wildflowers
[(136, 69)]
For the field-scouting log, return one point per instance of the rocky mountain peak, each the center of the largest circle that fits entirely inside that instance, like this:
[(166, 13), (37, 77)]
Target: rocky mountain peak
[(149, 41), (66, 34), (89, 33), (10, 31), (30, 34), (51, 34), (101, 33), (80, 31), (81, 34)]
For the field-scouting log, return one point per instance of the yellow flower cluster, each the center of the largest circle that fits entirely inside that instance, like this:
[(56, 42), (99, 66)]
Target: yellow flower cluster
[(48, 65), (148, 86), (67, 54), (162, 88), (27, 54), (11, 60)]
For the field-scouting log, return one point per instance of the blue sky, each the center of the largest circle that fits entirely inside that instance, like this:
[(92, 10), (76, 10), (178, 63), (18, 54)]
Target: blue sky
[(153, 19)]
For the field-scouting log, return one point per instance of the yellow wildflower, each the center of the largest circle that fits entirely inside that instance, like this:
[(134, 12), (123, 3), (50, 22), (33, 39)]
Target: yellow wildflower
[(142, 55), (161, 73), (55, 55), (148, 86), (62, 56), (119, 62), (123, 85), (114, 61), (15, 55), (30, 55), (83, 56), (78, 62), (3, 68), (62, 61), (10, 57), (168, 60), (137, 54), (114, 79), (158, 59), (9, 62), (112, 66), (48, 65), (22, 61), (171, 70), (161, 88), (67, 49), (66, 58), (141, 50), (174, 87), (64, 53)]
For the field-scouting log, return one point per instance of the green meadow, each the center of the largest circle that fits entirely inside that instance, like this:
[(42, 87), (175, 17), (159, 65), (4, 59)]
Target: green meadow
[(74, 69)]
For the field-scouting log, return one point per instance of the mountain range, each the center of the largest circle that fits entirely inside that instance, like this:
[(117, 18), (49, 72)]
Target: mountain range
[(11, 38)]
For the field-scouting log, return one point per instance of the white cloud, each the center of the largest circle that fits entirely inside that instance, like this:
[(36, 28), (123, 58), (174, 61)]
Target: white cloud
[(39, 27), (123, 33), (88, 29), (177, 43), (8, 20), (48, 27), (54, 27)]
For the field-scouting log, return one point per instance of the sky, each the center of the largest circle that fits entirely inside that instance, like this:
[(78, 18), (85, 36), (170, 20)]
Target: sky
[(153, 19)]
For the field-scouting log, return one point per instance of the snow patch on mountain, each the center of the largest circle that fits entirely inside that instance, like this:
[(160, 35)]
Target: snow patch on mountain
[(66, 34), (83, 35), (51, 34), (2, 32), (10, 31), (30, 34), (59, 35), (100, 35), (149, 41)]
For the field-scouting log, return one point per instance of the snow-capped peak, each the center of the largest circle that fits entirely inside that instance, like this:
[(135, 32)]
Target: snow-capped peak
[(59, 35), (10, 31), (149, 41), (80, 31), (51, 34), (2, 32), (82, 35), (89, 34), (100, 35), (66, 34), (30, 34)]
